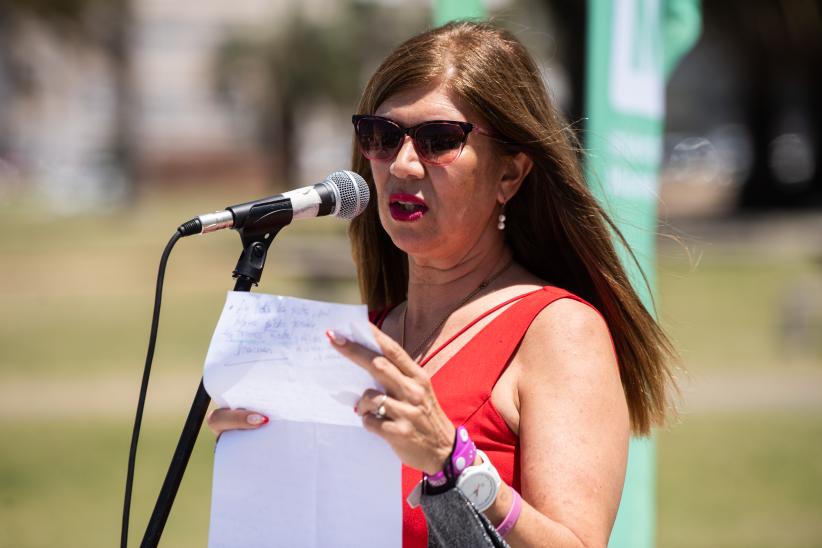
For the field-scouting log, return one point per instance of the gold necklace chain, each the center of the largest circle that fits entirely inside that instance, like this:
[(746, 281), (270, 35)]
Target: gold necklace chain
[(485, 283)]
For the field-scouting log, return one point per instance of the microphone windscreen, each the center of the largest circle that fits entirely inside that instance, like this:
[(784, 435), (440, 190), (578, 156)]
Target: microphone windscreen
[(353, 193)]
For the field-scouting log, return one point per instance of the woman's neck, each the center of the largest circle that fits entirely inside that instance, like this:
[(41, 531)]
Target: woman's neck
[(434, 291)]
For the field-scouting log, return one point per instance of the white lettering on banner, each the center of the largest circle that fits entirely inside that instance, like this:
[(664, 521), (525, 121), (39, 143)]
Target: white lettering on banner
[(636, 79)]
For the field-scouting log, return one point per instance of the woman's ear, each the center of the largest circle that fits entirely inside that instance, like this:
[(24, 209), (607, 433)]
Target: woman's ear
[(516, 168)]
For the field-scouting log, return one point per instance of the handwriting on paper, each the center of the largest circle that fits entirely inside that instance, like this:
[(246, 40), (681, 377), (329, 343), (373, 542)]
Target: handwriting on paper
[(270, 353)]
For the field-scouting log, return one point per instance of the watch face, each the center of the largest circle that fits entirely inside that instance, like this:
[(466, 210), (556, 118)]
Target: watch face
[(479, 487)]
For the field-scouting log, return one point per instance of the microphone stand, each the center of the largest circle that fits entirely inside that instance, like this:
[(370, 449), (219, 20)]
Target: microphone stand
[(256, 238)]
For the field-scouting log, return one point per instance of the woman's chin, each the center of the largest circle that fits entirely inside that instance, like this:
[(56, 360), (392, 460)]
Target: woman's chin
[(413, 242), (413, 246)]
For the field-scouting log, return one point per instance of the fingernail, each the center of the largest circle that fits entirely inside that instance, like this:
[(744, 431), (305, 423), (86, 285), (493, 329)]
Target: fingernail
[(255, 419), (336, 338)]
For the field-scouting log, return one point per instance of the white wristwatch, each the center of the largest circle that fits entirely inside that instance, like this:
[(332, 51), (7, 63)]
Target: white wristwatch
[(480, 483)]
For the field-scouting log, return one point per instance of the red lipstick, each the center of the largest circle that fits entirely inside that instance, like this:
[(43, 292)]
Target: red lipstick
[(406, 207)]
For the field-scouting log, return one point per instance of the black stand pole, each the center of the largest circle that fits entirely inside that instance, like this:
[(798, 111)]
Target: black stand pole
[(247, 274)]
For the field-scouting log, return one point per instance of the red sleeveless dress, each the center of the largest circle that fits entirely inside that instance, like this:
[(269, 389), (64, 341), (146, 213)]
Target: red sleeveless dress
[(463, 387)]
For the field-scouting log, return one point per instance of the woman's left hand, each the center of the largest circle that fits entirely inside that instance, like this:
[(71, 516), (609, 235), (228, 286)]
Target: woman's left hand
[(413, 423)]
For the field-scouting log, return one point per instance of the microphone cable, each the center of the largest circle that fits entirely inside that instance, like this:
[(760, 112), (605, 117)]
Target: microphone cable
[(186, 229)]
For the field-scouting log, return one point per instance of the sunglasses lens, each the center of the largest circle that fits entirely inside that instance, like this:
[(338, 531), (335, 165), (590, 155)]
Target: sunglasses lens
[(438, 142), (378, 139)]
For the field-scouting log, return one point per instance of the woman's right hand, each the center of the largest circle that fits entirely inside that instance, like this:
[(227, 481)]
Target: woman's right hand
[(224, 418)]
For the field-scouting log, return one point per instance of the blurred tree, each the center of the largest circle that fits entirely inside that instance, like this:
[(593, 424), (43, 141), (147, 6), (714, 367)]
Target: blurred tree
[(779, 47), (757, 71), (102, 24), (303, 63)]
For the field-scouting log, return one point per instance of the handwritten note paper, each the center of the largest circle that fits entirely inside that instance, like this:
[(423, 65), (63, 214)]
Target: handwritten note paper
[(312, 476), (270, 353)]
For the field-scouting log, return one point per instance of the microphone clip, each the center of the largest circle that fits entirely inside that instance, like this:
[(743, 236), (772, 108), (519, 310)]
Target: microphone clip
[(252, 260), (258, 225), (253, 219)]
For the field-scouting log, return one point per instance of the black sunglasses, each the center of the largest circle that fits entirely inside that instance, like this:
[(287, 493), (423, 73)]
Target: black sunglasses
[(437, 142)]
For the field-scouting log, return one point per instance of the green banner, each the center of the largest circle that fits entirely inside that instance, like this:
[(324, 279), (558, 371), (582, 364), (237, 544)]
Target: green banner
[(449, 10), (633, 46)]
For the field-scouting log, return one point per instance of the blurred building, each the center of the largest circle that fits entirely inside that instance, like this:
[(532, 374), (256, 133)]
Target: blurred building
[(61, 102), (56, 114), (185, 129)]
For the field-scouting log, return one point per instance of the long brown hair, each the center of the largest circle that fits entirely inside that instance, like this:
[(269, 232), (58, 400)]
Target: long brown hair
[(555, 227)]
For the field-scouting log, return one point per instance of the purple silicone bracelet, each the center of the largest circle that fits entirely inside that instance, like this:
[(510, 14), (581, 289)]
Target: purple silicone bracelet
[(463, 456), (513, 515)]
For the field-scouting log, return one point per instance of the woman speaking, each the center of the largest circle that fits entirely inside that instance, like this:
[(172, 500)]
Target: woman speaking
[(516, 357)]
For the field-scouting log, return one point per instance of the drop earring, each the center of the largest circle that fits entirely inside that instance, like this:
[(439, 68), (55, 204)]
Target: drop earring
[(501, 218)]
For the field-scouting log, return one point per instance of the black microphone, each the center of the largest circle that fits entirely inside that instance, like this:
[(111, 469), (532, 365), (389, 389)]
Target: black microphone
[(342, 194)]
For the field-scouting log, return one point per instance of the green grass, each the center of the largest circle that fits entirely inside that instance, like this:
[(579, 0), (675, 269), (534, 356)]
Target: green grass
[(725, 312), (77, 293), (741, 480), (62, 484), (724, 481)]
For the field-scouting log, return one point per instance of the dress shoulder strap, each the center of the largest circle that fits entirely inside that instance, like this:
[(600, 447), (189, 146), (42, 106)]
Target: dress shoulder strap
[(467, 379), (473, 322), (377, 317)]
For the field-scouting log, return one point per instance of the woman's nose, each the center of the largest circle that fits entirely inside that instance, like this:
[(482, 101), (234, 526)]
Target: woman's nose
[(407, 164)]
